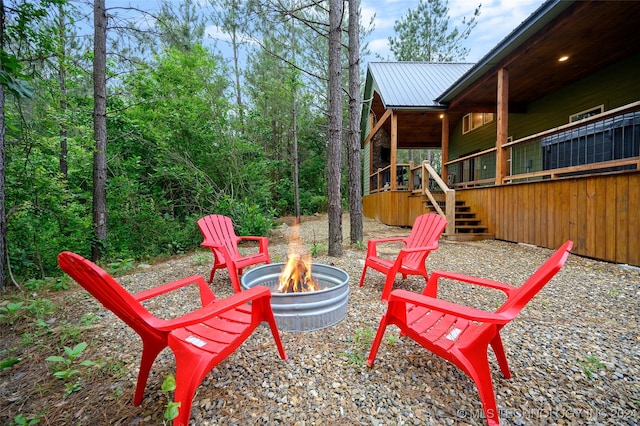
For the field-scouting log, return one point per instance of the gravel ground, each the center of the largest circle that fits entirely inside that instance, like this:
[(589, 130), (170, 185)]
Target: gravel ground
[(573, 352)]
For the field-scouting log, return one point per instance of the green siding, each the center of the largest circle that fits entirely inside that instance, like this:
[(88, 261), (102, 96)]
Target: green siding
[(478, 139), (612, 87), (366, 161)]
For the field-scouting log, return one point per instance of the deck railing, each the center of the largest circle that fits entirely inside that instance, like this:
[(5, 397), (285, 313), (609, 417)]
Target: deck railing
[(421, 179), (606, 142), (381, 179), (432, 182)]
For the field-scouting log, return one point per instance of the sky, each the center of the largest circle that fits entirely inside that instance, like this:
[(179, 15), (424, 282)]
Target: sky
[(497, 19)]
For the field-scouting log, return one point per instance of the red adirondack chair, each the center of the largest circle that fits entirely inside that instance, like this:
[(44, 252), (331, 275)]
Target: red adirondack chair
[(412, 257), (462, 334), (220, 237), (200, 339)]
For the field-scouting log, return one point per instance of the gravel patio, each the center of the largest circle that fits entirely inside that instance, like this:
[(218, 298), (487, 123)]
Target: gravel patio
[(574, 352)]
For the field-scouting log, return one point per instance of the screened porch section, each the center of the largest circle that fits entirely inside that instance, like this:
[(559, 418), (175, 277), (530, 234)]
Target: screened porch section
[(603, 143)]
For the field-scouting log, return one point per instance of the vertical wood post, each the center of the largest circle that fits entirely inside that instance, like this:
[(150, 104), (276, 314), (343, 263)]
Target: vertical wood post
[(410, 173), (450, 211), (444, 138), (394, 151), (502, 124)]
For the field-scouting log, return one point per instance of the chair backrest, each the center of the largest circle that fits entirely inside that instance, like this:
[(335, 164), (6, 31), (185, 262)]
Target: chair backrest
[(107, 290), (218, 229), (518, 300), (426, 230)]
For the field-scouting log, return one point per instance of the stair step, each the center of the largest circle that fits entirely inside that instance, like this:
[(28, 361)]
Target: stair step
[(470, 228), (468, 222), (470, 237)]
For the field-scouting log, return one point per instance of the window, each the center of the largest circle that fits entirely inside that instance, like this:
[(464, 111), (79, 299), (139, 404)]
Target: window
[(475, 120), (586, 114)]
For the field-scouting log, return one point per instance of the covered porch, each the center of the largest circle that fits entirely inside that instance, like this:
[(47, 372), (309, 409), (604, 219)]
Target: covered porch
[(523, 138)]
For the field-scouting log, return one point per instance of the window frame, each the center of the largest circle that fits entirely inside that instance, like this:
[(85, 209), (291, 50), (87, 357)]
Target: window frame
[(589, 112), (474, 120)]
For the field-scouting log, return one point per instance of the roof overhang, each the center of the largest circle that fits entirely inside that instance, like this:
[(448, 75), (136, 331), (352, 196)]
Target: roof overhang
[(592, 34)]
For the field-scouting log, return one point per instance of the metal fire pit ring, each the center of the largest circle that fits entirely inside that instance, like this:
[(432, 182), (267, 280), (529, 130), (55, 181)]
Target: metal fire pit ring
[(307, 311)]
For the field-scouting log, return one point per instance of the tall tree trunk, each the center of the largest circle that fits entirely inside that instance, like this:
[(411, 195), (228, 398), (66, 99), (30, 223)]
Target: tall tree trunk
[(3, 172), (99, 130), (3, 166), (294, 113), (62, 77), (236, 70), (353, 150), (334, 160)]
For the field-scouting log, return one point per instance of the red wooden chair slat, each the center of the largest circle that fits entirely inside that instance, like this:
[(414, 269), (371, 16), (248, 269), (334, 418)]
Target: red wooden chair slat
[(460, 334), (199, 339), (219, 236), (411, 260)]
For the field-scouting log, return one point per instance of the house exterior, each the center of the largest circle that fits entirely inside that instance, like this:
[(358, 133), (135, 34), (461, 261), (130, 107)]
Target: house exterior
[(540, 139)]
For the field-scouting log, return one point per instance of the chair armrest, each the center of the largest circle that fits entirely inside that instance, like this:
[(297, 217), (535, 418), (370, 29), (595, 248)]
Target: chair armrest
[(264, 242), (435, 275), (210, 244), (251, 238), (386, 240), (206, 295), (419, 249), (213, 309), (372, 245), (447, 307)]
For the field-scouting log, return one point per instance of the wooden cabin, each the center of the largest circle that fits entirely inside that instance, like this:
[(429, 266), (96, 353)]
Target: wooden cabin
[(536, 143)]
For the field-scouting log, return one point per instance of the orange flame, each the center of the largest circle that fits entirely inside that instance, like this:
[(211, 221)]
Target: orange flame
[(296, 274)]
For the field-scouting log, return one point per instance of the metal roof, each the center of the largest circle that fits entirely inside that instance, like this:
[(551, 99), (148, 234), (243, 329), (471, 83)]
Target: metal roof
[(414, 85)]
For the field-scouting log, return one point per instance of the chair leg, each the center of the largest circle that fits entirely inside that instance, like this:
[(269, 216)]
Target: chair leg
[(235, 280), (388, 283), (376, 341), (364, 272), (191, 369), (480, 373), (213, 272), (498, 350), (267, 315), (150, 351)]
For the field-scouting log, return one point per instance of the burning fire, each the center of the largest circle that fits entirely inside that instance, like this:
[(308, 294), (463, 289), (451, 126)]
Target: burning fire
[(296, 274)]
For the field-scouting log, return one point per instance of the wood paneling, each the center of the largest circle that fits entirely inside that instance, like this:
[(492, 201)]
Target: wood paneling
[(395, 208), (599, 213)]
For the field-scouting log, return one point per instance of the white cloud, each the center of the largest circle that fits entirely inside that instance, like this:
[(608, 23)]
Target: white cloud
[(497, 19)]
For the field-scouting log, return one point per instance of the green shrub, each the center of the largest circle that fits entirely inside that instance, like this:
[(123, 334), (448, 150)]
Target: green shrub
[(248, 218)]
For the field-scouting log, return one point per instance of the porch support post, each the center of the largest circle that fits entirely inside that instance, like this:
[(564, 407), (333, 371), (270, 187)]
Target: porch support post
[(502, 125), (444, 172), (394, 150)]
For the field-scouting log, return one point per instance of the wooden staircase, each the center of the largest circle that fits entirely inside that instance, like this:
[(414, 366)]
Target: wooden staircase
[(468, 226)]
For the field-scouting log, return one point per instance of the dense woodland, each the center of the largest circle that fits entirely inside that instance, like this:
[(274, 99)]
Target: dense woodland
[(121, 127), (190, 131)]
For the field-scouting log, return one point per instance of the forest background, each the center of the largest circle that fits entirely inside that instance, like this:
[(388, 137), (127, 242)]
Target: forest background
[(188, 133)]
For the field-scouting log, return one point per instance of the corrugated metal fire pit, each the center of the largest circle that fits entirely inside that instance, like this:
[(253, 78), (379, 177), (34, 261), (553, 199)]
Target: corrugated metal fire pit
[(305, 311)]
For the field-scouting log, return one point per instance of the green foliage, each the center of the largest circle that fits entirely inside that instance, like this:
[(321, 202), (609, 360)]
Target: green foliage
[(8, 363), (22, 420), (10, 312), (591, 366), (248, 219), (169, 385), (66, 369), (423, 34), (316, 248), (178, 148), (121, 266), (362, 342)]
